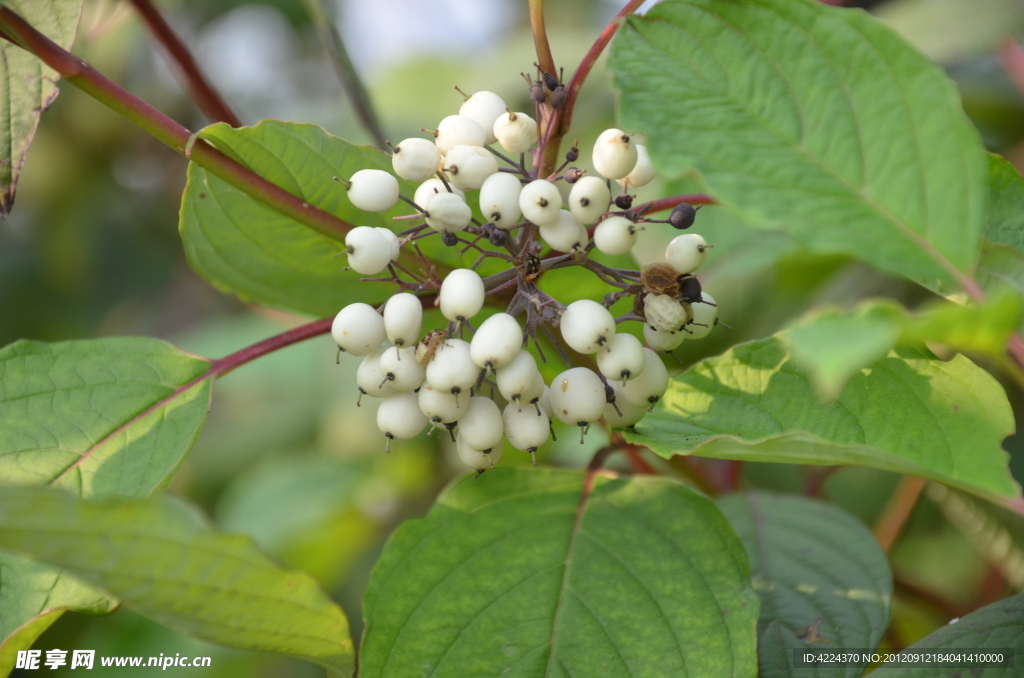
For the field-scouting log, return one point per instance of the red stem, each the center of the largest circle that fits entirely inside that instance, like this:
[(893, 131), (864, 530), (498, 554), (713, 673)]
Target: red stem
[(1011, 56), (587, 64), (80, 74), (733, 475), (668, 203), (897, 510), (639, 464), (206, 97), (274, 343), (816, 480)]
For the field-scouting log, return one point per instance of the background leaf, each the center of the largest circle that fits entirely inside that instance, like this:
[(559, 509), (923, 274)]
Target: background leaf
[(97, 417), (1004, 222), (810, 119), (510, 573), (28, 86), (908, 412), (832, 345), (999, 625), (823, 580), (162, 559), (249, 250), (995, 532)]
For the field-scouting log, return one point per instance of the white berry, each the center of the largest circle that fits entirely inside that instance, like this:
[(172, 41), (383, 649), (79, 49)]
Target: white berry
[(477, 459), (399, 417), (358, 329), (403, 319), (428, 188), (577, 397), (624, 359), (615, 235), (540, 202), (458, 130), (520, 382), (373, 190), (368, 376), (587, 326), (566, 234), (400, 367), (484, 107), (369, 252), (615, 154), (661, 340), (686, 253), (416, 159), (703, 314), (525, 429), (448, 212), (648, 388), (665, 313), (496, 342), (468, 166), (642, 173), (389, 235), (545, 403), (516, 132), (627, 413), (441, 407), (461, 295), (589, 199), (499, 199), (480, 427), (452, 369)]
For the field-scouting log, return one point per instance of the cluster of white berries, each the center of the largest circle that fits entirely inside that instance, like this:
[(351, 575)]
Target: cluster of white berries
[(438, 379)]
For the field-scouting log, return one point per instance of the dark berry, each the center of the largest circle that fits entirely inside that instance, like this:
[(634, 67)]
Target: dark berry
[(624, 201), (551, 82), (573, 154), (682, 216), (558, 97), (498, 237), (537, 92), (572, 175), (449, 239)]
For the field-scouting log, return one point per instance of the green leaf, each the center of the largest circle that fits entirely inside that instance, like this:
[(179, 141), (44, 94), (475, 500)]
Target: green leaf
[(1004, 221), (823, 580), (28, 86), (250, 250), (162, 559), (520, 572), (832, 345), (814, 120), (98, 417), (999, 625), (1000, 268), (23, 639), (908, 412)]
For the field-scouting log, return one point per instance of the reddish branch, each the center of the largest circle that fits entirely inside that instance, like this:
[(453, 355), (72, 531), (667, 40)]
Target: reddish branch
[(200, 89), (572, 90), (80, 74), (897, 511), (671, 201), (1011, 55), (540, 37)]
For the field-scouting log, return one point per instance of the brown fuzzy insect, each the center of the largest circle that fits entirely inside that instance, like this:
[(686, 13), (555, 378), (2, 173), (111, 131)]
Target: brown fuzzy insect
[(429, 346), (660, 278)]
